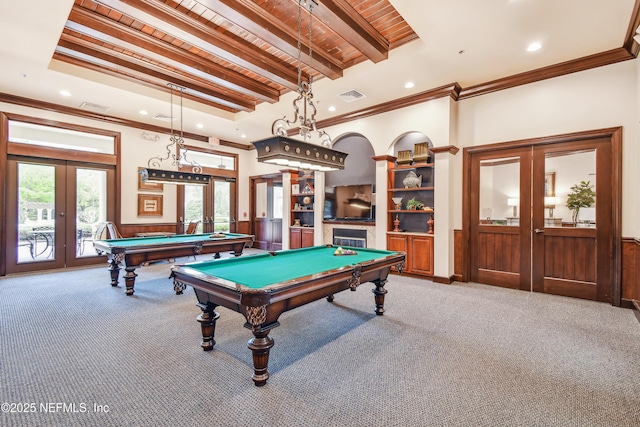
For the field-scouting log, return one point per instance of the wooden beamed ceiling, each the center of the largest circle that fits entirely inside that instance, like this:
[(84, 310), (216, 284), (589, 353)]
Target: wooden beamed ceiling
[(229, 54)]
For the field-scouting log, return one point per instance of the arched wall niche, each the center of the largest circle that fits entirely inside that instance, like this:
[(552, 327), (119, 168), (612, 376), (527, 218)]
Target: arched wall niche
[(408, 140), (359, 167)]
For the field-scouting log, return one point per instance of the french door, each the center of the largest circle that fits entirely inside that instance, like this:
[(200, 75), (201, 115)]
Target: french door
[(524, 231), (55, 207), (214, 206)]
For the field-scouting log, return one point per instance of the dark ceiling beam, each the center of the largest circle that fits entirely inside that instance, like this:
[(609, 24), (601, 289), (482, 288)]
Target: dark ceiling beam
[(96, 26), (124, 64), (253, 19), (232, 49), (342, 18), (140, 80)]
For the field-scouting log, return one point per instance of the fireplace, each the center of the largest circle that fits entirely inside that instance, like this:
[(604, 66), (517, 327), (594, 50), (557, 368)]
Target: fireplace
[(350, 237)]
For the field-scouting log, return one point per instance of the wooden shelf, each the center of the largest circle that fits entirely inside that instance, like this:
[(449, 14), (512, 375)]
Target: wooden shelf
[(411, 211), (413, 166), (392, 190), (302, 210), (302, 194)]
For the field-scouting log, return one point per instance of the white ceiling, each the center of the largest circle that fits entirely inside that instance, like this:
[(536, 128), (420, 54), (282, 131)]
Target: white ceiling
[(463, 41)]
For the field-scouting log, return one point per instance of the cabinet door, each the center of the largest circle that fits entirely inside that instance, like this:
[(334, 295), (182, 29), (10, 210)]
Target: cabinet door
[(421, 249), (295, 238), (399, 244), (306, 237)]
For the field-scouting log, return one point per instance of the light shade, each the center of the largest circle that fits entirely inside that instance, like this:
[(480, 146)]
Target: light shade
[(173, 177), (513, 201), (550, 202), (288, 152)]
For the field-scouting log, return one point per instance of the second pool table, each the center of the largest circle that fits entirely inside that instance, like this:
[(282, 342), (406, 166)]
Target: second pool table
[(262, 287), (137, 250)]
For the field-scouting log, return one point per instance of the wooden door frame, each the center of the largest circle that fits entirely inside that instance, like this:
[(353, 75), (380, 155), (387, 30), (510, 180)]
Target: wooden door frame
[(614, 135), (9, 148), (253, 180)]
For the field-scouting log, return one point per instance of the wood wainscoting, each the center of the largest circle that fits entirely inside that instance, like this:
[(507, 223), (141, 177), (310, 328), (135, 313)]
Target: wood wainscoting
[(130, 230), (631, 273)]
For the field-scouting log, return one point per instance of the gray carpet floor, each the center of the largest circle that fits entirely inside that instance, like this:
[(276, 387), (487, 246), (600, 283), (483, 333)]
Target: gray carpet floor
[(78, 352)]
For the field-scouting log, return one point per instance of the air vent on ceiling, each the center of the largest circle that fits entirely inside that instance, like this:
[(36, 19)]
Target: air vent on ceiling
[(163, 117), (351, 95), (96, 108)]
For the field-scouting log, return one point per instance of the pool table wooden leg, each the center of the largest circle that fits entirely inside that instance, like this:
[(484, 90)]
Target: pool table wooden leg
[(114, 271), (260, 345), (379, 293), (130, 279), (208, 325)]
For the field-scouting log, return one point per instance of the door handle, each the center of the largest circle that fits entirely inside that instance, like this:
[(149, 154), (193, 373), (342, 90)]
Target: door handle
[(538, 231)]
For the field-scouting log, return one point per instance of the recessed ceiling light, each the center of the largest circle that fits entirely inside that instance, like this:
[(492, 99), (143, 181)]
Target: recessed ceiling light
[(332, 108), (534, 46), (243, 136), (65, 93), (199, 125), (409, 85), (143, 112)]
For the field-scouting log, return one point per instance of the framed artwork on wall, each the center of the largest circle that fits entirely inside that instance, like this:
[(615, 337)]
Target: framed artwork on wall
[(550, 184), (149, 205), (149, 186)]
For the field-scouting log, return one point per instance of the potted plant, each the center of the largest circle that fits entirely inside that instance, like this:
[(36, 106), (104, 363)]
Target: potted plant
[(581, 196), (413, 204)]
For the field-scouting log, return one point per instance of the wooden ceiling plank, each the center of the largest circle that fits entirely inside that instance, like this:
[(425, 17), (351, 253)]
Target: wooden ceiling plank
[(143, 80), (230, 49), (342, 18), (253, 19), (124, 62), (101, 28)]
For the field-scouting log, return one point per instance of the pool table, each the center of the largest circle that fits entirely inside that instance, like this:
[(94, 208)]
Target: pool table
[(262, 287), (137, 250)]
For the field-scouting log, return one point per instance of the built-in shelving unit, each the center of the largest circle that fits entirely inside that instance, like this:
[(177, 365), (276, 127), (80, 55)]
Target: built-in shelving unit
[(411, 229), (302, 208)]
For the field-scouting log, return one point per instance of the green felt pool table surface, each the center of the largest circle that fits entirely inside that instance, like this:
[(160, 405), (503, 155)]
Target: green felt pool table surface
[(267, 270), (139, 242)]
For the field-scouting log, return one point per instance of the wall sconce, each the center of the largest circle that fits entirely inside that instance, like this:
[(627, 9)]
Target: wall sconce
[(550, 203), (514, 202)]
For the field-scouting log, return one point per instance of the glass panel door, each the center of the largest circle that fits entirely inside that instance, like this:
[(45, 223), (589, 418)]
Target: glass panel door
[(193, 207), (222, 206), (91, 208), (58, 208), (36, 213)]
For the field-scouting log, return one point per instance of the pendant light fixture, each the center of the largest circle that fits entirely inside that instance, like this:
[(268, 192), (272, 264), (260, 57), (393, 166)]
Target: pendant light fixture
[(177, 152), (284, 151)]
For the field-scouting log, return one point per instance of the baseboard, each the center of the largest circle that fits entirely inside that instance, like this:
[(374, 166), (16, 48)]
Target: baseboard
[(443, 280)]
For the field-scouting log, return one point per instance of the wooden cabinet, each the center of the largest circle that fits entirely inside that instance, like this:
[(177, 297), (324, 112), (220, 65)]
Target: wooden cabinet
[(419, 250), (302, 208), (300, 237), (410, 229)]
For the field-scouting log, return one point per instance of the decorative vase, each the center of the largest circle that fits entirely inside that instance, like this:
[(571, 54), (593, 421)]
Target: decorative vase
[(396, 224), (430, 222)]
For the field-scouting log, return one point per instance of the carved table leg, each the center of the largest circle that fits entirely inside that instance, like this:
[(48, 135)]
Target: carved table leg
[(379, 293), (114, 271), (130, 279), (260, 346), (208, 325)]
